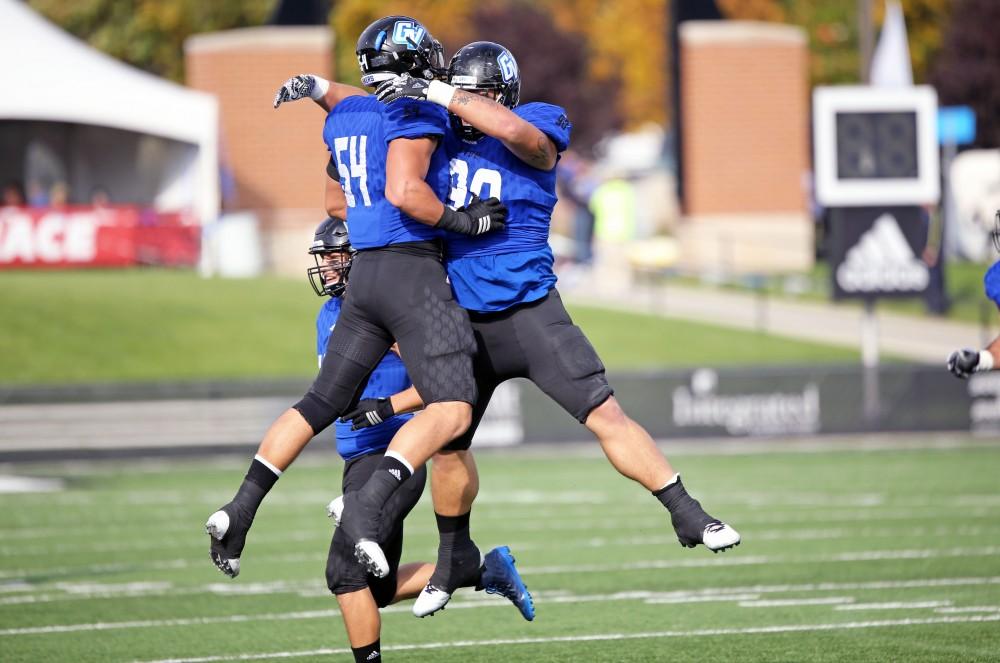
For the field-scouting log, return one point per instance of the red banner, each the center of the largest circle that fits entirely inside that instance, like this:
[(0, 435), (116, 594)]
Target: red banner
[(95, 237)]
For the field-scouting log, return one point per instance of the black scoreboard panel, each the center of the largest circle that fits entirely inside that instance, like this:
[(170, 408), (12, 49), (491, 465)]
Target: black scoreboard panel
[(876, 145)]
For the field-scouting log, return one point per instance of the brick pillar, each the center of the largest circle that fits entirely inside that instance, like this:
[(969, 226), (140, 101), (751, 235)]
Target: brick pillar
[(744, 98), (276, 157)]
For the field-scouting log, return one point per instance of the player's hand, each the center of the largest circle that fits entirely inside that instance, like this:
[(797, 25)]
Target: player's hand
[(369, 412), (228, 529), (963, 363), (476, 218), (295, 88), (400, 87)]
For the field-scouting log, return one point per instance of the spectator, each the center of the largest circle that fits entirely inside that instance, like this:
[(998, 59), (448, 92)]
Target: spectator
[(13, 194)]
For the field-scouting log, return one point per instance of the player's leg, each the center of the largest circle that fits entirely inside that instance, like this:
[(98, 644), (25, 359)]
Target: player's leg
[(436, 345), (363, 624), (454, 486), (569, 370), (354, 349)]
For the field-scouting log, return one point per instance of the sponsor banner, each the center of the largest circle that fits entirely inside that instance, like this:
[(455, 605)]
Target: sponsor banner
[(775, 402), (876, 252), (95, 237)]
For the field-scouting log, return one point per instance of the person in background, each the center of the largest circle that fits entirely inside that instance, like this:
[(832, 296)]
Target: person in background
[(13, 194), (965, 362)]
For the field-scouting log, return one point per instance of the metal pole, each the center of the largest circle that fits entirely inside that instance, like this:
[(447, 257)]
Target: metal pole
[(869, 361), (866, 38)]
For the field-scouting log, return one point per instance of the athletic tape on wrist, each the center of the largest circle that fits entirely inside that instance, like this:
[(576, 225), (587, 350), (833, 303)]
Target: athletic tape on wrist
[(440, 93), (985, 361), (320, 88)]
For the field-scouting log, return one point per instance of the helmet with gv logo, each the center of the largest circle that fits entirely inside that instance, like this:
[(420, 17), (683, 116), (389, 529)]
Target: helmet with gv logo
[(398, 45), (484, 65)]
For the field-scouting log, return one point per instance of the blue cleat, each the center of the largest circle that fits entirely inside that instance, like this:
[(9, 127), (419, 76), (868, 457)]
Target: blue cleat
[(501, 577)]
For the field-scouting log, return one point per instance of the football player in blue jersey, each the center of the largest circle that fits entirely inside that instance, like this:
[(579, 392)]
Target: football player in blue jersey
[(963, 363), (392, 168), (359, 593), (501, 149)]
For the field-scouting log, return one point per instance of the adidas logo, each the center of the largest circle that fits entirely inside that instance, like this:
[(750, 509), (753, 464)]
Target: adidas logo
[(882, 261), (484, 224), (374, 656), (396, 473)]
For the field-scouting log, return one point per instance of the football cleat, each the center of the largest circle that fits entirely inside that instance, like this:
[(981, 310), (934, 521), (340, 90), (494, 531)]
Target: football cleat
[(430, 600), (500, 576), (369, 554), (719, 536), (216, 527), (335, 509)]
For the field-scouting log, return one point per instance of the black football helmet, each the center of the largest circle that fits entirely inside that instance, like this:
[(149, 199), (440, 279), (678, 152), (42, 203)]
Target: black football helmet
[(331, 249), (398, 45), (484, 65)]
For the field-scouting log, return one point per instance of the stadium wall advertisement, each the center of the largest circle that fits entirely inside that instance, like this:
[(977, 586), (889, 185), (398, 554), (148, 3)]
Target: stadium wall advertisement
[(96, 237), (190, 418)]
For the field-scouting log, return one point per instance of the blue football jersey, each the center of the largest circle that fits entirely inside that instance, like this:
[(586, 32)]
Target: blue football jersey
[(991, 283), (388, 378), (495, 271), (357, 132)]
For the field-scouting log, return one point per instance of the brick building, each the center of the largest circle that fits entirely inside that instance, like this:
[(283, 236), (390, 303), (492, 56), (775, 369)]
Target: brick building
[(276, 157), (745, 109)]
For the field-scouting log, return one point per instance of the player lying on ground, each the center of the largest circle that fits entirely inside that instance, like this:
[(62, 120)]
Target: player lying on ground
[(964, 363), (394, 174), (506, 281)]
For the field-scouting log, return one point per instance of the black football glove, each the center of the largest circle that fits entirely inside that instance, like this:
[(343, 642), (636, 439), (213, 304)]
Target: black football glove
[(478, 217), (963, 363), (400, 87), (369, 412), (295, 88)]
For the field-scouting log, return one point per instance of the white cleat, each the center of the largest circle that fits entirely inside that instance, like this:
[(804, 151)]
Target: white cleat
[(369, 554), (335, 509), (217, 525), (719, 536), (430, 600)]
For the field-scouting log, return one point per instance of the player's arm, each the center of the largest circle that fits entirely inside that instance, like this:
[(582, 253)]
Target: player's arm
[(326, 94), (407, 162), (963, 363), (373, 411), (334, 198), (521, 137)]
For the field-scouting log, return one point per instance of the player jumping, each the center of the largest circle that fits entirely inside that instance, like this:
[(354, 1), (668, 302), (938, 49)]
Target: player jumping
[(505, 281)]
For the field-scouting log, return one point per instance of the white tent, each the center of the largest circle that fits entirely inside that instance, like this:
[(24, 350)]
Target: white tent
[(50, 76)]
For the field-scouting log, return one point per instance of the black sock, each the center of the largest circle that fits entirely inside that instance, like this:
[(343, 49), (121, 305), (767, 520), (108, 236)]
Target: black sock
[(458, 559), (388, 476), (256, 484), (368, 653), (686, 514)]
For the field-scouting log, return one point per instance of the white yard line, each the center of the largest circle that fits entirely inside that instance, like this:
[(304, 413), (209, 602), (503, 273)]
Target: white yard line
[(745, 596), (895, 605), (717, 632), (714, 561), (791, 603)]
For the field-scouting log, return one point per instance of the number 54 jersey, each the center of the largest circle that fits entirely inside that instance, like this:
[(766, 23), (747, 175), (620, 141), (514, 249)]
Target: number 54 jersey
[(495, 271), (357, 132)]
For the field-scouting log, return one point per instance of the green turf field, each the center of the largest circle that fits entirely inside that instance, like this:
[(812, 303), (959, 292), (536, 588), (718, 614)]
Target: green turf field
[(849, 555), (89, 326)]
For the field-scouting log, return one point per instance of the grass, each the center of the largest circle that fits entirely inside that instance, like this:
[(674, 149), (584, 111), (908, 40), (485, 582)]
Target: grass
[(88, 326), (114, 567)]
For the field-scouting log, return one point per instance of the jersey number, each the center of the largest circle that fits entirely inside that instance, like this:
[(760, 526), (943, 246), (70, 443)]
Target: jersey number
[(460, 186), (352, 167)]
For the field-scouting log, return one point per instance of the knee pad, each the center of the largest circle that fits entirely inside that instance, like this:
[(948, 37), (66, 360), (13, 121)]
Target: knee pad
[(318, 413)]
